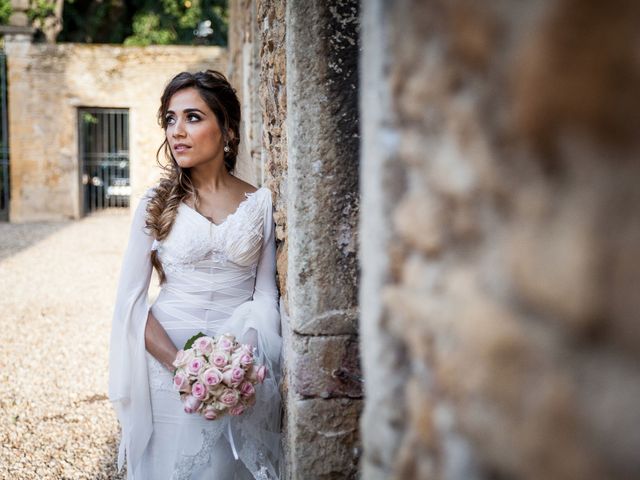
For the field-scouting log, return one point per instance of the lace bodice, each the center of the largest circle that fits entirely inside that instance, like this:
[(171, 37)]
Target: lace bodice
[(237, 239)]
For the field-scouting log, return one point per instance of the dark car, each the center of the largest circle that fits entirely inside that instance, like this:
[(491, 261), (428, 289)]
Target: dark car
[(106, 184)]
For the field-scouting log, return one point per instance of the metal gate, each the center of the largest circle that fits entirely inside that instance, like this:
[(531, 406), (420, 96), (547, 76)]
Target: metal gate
[(104, 157), (4, 139)]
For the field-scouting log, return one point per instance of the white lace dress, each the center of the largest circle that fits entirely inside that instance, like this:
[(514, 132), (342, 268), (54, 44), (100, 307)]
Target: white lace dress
[(219, 278)]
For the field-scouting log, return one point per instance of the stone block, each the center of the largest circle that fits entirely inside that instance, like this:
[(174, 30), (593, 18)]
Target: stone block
[(325, 366), (324, 438)]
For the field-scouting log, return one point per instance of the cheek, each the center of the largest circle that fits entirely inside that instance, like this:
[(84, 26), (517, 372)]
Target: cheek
[(202, 138)]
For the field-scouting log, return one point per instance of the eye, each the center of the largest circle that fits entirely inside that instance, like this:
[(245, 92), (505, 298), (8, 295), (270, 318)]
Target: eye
[(169, 118)]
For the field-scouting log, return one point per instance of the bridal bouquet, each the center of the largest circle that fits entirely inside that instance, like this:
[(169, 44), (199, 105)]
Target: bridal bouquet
[(216, 376)]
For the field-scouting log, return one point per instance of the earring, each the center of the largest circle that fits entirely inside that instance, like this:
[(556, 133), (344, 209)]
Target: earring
[(226, 148)]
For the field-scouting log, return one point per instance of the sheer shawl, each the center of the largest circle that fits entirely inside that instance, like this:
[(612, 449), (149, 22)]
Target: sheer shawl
[(128, 379)]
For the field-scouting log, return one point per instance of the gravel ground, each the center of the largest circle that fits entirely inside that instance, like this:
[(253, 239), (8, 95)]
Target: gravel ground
[(57, 286)]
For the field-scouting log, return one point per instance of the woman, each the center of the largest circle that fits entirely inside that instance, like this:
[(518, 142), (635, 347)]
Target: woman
[(210, 236)]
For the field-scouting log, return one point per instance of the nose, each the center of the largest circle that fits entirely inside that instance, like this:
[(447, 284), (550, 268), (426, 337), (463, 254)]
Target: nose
[(178, 129)]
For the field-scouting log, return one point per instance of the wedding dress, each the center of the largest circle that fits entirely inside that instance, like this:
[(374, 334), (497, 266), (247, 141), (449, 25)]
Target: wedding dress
[(219, 278)]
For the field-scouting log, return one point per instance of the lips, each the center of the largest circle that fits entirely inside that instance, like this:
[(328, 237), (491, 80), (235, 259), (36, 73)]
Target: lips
[(180, 147)]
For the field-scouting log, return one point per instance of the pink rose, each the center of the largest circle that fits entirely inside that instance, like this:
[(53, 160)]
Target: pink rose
[(191, 404), (260, 374), (225, 342), (226, 377), (246, 389), (233, 376), (229, 397), (237, 410), (204, 345), (243, 356), (237, 374), (199, 391), (195, 365), (210, 413), (246, 359), (220, 359), (180, 381), (211, 376), (242, 349), (182, 358)]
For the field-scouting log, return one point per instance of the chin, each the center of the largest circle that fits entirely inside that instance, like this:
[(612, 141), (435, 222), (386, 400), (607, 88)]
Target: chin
[(184, 163), (190, 162)]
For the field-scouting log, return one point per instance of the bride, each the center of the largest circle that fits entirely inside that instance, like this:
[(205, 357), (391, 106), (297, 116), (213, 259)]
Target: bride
[(210, 237)]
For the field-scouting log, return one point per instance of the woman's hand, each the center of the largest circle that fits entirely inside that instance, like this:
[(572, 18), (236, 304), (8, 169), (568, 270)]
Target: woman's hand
[(159, 344)]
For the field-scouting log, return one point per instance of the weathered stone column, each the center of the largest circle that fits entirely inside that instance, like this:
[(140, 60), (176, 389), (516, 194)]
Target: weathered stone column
[(321, 342)]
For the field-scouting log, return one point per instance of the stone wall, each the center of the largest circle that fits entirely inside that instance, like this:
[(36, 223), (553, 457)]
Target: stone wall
[(321, 337), (500, 240), (244, 75), (47, 83), (306, 78)]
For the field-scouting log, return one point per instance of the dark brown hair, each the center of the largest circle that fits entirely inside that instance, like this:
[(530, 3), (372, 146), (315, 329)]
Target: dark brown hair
[(175, 184)]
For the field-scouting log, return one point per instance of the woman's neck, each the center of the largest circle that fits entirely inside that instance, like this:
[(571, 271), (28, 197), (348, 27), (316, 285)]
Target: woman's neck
[(210, 179)]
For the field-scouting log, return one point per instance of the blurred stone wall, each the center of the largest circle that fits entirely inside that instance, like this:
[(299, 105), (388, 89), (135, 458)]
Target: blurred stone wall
[(500, 239), (47, 83), (243, 73), (306, 80)]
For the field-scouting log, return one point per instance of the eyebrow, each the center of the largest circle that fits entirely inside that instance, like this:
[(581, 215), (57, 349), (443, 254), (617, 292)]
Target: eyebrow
[(189, 110)]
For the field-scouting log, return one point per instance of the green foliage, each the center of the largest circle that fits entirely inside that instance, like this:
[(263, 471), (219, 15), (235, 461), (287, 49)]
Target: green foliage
[(89, 119), (144, 22), (147, 31), (91, 21), (5, 11), (40, 9), (192, 340)]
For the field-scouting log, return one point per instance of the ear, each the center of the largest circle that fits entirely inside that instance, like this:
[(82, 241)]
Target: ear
[(230, 135)]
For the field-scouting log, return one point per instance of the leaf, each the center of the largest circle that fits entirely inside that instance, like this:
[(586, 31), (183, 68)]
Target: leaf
[(190, 342)]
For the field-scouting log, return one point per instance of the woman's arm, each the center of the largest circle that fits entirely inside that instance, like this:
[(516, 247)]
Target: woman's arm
[(158, 343)]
